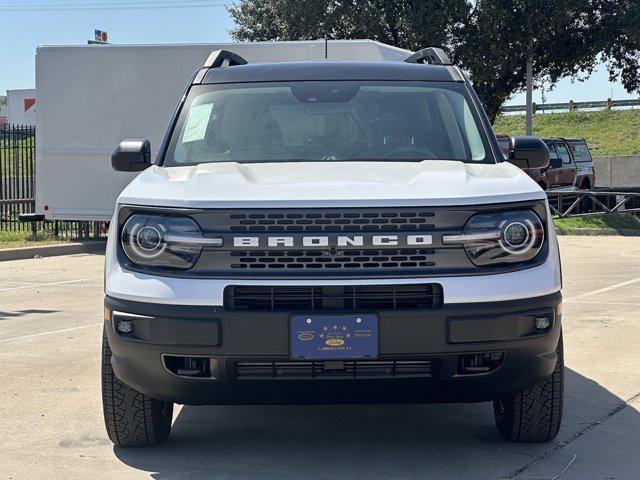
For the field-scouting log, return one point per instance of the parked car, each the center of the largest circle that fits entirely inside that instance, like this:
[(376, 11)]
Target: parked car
[(331, 232), (585, 175), (570, 165), (561, 172)]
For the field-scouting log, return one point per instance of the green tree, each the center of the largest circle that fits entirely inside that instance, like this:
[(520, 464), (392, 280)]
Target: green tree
[(403, 23), (622, 53), (490, 39), (562, 37)]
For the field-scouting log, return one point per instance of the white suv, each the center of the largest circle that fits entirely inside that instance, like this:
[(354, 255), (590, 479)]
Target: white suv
[(331, 232)]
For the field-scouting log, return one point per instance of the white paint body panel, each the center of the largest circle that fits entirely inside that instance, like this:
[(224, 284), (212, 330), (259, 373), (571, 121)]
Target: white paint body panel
[(530, 283), (92, 97), (341, 184), (429, 183)]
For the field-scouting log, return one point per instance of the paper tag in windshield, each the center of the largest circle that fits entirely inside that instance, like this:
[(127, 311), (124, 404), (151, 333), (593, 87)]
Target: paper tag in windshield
[(197, 122)]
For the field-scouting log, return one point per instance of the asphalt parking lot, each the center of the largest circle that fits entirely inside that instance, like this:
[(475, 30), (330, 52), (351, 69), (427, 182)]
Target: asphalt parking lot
[(51, 417)]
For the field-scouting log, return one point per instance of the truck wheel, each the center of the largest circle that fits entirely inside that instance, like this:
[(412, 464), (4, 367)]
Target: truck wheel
[(535, 414), (132, 418)]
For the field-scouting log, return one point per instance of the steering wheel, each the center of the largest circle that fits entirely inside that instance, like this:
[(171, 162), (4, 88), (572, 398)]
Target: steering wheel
[(410, 153)]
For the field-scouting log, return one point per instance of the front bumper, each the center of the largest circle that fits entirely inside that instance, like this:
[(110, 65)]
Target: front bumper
[(441, 341)]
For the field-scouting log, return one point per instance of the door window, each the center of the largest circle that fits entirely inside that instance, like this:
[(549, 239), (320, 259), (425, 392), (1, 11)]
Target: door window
[(563, 153)]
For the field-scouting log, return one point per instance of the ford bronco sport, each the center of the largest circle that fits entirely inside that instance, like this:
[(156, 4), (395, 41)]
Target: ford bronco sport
[(331, 232)]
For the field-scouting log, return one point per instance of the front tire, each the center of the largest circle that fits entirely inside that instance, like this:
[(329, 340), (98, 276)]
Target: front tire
[(132, 419), (535, 414)]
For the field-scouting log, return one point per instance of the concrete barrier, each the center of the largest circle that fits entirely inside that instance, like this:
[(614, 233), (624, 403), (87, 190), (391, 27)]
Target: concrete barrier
[(617, 172)]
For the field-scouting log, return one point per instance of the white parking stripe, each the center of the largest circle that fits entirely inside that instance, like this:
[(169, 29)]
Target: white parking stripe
[(33, 285), (602, 290), (47, 332)]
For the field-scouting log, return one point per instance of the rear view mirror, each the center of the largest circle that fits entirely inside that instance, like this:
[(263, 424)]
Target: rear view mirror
[(528, 152), (131, 156)]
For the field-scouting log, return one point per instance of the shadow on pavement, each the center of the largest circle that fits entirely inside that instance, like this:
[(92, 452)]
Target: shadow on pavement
[(22, 313), (351, 442)]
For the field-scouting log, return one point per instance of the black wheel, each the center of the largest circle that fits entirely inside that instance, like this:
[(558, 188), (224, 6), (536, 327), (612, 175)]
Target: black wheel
[(535, 414), (132, 418)]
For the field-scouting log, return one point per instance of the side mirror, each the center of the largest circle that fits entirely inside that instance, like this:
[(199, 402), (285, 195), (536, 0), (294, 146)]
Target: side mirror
[(528, 152), (131, 156)]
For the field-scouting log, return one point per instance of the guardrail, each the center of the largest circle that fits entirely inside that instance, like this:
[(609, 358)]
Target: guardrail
[(592, 202), (571, 105)]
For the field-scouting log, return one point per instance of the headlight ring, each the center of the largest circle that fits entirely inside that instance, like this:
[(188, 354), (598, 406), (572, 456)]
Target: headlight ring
[(504, 237), (162, 241)]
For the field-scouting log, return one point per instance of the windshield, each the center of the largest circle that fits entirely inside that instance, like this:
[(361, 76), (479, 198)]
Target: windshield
[(326, 121)]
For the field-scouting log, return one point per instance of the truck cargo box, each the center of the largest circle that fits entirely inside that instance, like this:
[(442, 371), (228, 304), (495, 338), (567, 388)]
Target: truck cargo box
[(92, 97)]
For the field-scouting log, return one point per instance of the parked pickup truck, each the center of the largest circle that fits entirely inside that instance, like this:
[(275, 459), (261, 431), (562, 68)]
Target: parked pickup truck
[(331, 232), (570, 165), (585, 175)]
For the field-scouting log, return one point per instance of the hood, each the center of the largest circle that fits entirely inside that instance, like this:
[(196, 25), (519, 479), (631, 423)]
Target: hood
[(298, 184)]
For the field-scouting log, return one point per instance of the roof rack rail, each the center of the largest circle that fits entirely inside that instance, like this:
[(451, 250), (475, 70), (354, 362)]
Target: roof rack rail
[(432, 55), (218, 57)]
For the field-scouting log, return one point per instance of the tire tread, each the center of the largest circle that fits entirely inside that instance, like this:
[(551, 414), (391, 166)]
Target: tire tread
[(131, 418), (535, 414)]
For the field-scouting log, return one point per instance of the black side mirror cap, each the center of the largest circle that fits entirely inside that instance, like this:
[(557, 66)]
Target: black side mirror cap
[(529, 152), (131, 156)]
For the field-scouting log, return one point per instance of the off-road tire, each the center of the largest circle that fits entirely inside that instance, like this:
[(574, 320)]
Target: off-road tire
[(132, 418), (535, 414)]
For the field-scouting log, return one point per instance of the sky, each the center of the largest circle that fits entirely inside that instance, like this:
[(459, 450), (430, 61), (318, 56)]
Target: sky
[(24, 24)]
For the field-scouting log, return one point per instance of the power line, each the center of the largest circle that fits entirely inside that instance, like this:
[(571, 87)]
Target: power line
[(102, 6)]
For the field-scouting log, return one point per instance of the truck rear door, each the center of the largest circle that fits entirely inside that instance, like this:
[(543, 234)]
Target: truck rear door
[(566, 175)]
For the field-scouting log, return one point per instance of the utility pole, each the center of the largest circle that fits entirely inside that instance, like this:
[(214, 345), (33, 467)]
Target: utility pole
[(529, 117)]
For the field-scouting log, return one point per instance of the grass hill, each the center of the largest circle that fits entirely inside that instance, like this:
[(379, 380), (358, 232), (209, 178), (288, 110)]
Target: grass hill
[(608, 132)]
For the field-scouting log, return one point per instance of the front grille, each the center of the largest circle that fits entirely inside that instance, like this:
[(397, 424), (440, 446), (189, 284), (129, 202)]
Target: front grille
[(348, 259), (340, 220), (358, 298), (332, 370)]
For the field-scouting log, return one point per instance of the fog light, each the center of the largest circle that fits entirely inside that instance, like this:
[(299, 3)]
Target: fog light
[(125, 326), (542, 323)]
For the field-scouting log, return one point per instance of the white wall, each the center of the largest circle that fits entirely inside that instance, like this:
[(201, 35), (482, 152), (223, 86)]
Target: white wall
[(20, 112), (612, 172)]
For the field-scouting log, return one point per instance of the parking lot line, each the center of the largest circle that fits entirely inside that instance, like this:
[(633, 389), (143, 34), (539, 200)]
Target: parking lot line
[(603, 290), (30, 285), (47, 332)]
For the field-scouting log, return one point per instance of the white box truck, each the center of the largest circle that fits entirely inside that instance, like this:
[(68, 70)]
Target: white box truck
[(92, 97), (22, 106)]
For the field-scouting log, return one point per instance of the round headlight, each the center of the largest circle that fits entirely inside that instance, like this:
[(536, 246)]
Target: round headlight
[(518, 236), (503, 237), (161, 241), (147, 240)]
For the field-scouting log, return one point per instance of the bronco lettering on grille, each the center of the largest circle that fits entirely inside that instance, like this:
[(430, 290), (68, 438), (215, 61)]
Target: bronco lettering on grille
[(334, 240)]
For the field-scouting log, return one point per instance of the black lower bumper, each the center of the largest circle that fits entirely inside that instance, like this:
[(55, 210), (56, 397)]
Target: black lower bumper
[(456, 353)]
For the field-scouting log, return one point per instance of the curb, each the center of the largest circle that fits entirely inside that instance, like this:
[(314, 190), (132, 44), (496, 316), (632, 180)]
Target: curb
[(22, 253), (596, 232)]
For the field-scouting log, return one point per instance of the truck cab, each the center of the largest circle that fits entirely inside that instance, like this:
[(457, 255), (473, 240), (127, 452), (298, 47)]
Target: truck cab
[(562, 171), (331, 232), (585, 175)]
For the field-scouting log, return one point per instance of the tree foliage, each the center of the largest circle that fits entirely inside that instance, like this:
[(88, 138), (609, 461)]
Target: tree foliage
[(563, 38), (622, 52), (490, 39), (403, 23)]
